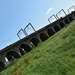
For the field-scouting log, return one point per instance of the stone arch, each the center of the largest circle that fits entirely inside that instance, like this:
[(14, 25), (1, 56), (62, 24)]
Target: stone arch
[(43, 37), (11, 55), (50, 32), (66, 21), (35, 41), (56, 28), (25, 48), (70, 19), (61, 24), (2, 65)]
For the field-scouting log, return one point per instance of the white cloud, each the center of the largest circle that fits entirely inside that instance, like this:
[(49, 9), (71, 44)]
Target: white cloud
[(49, 10)]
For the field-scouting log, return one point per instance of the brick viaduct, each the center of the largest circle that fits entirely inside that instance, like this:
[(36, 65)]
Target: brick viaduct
[(19, 48)]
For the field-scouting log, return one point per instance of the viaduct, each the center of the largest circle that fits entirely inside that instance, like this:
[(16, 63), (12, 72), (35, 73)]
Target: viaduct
[(19, 48)]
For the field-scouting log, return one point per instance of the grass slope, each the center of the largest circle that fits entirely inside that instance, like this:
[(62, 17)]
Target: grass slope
[(55, 56)]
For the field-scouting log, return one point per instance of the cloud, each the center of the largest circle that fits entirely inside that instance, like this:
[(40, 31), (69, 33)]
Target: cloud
[(49, 10)]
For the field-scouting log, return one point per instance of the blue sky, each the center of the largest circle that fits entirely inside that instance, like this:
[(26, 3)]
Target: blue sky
[(16, 14)]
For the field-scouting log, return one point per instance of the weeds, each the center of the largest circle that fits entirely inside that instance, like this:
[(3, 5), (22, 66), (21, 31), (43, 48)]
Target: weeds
[(55, 56)]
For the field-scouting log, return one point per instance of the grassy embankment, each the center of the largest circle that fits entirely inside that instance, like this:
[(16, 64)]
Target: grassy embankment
[(55, 56)]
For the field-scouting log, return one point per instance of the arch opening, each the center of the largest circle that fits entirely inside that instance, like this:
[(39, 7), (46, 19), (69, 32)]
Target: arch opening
[(22, 51), (2, 65), (56, 28), (61, 24), (43, 37), (6, 59), (35, 41), (24, 48), (50, 32), (11, 55), (66, 21), (70, 19)]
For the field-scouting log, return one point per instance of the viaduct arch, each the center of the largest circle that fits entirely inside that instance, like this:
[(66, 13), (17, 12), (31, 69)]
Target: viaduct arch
[(61, 24), (56, 28), (25, 47), (50, 32), (66, 21), (19, 48), (35, 41), (43, 37), (11, 55), (70, 19)]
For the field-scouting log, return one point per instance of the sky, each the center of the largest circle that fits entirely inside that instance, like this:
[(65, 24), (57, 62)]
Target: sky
[(16, 14)]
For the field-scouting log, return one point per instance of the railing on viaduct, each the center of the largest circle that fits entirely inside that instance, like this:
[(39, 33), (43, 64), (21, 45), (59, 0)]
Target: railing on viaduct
[(19, 48)]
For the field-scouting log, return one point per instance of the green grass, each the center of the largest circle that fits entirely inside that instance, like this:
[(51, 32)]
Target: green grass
[(55, 56)]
